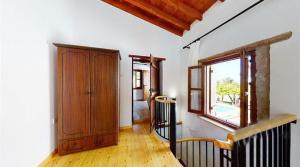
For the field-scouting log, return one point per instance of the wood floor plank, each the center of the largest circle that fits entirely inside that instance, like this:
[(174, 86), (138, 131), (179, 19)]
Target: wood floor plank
[(136, 148)]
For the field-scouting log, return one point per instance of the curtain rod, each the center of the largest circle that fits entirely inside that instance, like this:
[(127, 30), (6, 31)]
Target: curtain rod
[(198, 39)]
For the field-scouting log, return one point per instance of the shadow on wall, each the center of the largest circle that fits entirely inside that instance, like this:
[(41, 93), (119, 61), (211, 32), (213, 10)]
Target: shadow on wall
[(52, 92)]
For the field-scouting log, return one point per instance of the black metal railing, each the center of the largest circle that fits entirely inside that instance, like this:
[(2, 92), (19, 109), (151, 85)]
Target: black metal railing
[(163, 109), (165, 120), (225, 158), (265, 144), (267, 148), (198, 152)]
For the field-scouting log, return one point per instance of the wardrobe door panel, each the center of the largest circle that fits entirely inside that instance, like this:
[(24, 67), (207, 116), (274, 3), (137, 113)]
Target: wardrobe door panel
[(104, 87), (75, 118)]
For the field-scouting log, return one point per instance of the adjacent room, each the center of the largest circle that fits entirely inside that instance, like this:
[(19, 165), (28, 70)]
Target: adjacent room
[(144, 83), (141, 91)]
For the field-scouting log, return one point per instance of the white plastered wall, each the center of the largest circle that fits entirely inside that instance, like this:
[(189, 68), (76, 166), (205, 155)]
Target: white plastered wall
[(270, 18), (28, 29)]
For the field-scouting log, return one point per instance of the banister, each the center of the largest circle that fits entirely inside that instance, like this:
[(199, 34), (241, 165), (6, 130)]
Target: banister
[(227, 145), (247, 131), (161, 100), (195, 139), (261, 127), (254, 141)]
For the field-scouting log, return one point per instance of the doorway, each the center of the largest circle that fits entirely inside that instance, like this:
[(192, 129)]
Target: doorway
[(146, 85), (141, 93)]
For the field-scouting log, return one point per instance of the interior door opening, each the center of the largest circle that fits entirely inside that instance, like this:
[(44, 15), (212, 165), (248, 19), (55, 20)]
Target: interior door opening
[(146, 85), (141, 91)]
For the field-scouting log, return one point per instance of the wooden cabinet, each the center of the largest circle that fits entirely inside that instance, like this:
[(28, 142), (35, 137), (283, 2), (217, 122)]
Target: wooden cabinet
[(87, 98)]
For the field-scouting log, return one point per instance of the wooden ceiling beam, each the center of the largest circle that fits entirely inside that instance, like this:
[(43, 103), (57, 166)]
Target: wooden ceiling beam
[(176, 30), (159, 13), (186, 9)]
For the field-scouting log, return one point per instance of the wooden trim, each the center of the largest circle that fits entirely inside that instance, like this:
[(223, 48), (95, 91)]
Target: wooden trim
[(193, 67), (243, 56), (159, 99), (189, 90), (159, 13), (154, 66), (201, 89), (209, 89), (228, 145), (141, 14), (221, 121), (195, 139), (86, 47), (217, 124), (251, 46), (262, 126), (59, 91), (208, 62), (243, 90), (253, 100), (220, 59), (186, 9), (132, 100), (146, 57)]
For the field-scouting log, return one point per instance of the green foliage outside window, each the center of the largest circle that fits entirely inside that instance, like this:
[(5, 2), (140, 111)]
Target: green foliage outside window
[(228, 87)]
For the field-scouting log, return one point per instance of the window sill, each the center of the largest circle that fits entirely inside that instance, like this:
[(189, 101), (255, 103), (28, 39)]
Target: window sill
[(219, 125)]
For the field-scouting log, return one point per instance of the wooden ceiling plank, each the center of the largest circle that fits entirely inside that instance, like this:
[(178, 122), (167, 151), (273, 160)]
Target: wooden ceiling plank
[(186, 9), (159, 13), (139, 14)]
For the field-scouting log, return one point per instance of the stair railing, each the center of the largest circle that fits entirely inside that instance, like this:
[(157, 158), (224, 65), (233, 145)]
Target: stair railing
[(266, 143), (163, 108)]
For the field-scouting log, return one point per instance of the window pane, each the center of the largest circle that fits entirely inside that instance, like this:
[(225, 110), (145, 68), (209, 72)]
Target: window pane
[(138, 83), (195, 97), (225, 91), (195, 78), (138, 75), (133, 80)]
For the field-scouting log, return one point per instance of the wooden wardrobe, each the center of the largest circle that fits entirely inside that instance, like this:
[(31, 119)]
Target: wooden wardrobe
[(87, 98)]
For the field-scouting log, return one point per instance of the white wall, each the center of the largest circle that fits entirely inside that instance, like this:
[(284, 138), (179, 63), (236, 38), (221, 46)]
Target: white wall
[(28, 30), (1, 110), (266, 20), (138, 94)]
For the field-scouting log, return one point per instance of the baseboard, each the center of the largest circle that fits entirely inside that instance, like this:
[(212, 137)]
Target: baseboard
[(49, 157)]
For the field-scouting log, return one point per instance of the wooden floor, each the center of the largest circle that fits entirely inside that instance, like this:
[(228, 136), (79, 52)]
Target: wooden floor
[(136, 148)]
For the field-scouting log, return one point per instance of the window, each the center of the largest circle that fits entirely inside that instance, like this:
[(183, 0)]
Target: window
[(222, 89), (195, 90), (137, 79)]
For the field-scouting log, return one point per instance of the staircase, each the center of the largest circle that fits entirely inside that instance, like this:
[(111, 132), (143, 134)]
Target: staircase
[(264, 144)]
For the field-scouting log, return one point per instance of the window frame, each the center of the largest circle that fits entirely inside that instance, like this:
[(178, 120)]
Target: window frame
[(201, 89), (138, 80), (243, 56)]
